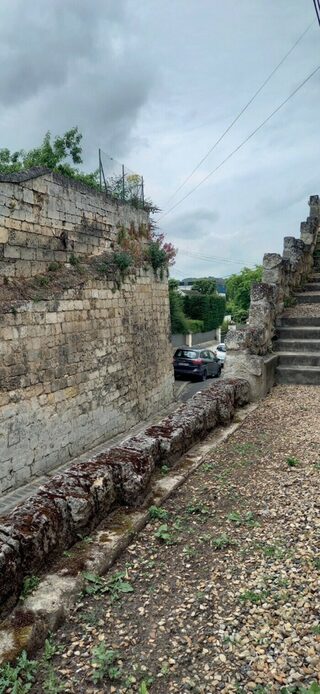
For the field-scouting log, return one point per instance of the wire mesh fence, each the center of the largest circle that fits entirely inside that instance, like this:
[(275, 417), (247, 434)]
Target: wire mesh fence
[(119, 182)]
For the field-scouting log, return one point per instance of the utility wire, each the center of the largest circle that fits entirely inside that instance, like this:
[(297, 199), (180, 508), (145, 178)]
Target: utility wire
[(317, 9), (211, 258), (242, 110), (234, 151)]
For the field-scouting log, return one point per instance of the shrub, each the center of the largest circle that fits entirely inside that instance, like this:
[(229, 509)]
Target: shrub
[(123, 261), (209, 308)]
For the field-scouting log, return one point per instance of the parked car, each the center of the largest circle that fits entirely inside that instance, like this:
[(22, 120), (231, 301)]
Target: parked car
[(220, 352), (196, 363)]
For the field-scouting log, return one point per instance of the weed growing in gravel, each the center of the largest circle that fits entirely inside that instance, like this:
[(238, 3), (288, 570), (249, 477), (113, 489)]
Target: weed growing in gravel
[(272, 551), (293, 462), (50, 649), (222, 541), (91, 618), (296, 689), (198, 508), (207, 466), (156, 512), (244, 448), (238, 519), (252, 596), (163, 533), (104, 663), (316, 563), (189, 551), (51, 684), (30, 584), (143, 689), (316, 630), (164, 470), (18, 678), (115, 586)]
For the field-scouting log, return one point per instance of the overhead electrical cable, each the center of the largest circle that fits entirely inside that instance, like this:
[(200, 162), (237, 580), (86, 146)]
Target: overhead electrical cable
[(249, 137), (217, 142), (317, 9), (211, 258)]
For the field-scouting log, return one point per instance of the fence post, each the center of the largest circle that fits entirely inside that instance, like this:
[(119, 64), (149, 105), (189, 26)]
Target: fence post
[(123, 189), (142, 190), (100, 174)]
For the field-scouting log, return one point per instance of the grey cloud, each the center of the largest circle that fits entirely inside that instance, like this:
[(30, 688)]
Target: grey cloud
[(195, 224)]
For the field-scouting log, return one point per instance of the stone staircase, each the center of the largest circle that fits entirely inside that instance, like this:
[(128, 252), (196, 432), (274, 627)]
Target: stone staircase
[(298, 338)]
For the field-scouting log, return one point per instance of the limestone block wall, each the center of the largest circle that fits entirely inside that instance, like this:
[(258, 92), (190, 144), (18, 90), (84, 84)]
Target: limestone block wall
[(249, 347), (45, 217), (78, 369)]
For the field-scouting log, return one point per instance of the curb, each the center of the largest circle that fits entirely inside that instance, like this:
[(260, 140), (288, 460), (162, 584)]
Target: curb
[(48, 606)]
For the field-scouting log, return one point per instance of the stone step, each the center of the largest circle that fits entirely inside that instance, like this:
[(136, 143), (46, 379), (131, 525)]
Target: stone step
[(296, 346), (297, 321), (302, 375), (307, 297), (315, 277), (299, 359), (312, 287), (299, 332)]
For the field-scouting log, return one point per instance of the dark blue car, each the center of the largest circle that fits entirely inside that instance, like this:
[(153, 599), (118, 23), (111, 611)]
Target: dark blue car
[(196, 363)]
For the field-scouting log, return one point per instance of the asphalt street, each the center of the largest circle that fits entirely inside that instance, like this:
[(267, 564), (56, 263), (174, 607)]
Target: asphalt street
[(186, 389)]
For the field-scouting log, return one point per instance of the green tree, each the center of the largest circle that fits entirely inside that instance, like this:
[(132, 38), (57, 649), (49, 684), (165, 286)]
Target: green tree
[(238, 292), (205, 285), (60, 154)]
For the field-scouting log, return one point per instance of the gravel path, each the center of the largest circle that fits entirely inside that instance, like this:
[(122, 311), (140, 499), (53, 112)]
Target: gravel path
[(220, 594)]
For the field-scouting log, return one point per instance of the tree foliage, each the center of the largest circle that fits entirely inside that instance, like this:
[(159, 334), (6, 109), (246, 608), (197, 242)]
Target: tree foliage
[(205, 285), (61, 154), (238, 292)]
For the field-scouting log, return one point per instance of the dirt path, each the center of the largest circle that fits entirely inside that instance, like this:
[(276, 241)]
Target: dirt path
[(220, 594)]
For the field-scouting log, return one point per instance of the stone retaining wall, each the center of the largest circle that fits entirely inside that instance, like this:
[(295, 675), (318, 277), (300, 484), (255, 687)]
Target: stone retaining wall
[(249, 348), (45, 218), (75, 501), (80, 368)]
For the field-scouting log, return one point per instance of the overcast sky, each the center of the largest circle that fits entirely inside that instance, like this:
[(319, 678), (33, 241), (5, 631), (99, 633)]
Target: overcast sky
[(154, 83)]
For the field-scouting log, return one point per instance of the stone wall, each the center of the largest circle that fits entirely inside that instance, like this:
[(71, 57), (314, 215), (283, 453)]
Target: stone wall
[(75, 501), (249, 348), (80, 368), (45, 218)]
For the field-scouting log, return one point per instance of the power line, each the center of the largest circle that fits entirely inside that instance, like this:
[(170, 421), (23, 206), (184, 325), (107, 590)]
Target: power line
[(242, 110), (212, 258), (234, 151), (317, 9)]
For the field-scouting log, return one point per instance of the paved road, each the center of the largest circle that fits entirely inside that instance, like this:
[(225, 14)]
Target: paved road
[(186, 389)]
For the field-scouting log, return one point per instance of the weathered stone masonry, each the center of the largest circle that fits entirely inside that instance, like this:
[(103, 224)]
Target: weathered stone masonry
[(249, 348), (44, 217), (87, 364)]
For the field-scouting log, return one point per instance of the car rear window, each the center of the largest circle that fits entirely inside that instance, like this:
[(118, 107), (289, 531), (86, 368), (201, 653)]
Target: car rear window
[(186, 353)]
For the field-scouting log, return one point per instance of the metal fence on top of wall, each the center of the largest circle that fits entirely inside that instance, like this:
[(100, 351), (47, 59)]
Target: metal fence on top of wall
[(119, 182)]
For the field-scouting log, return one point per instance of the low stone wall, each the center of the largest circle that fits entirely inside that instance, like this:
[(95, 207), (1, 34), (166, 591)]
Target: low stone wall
[(249, 348), (45, 218), (77, 500)]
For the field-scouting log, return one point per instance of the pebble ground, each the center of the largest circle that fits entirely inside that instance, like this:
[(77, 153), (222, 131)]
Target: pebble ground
[(220, 594)]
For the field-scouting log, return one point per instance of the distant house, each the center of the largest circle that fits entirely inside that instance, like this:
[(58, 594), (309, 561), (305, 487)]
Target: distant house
[(186, 285)]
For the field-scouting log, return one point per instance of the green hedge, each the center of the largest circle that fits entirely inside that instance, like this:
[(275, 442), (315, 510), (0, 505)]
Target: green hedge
[(210, 309)]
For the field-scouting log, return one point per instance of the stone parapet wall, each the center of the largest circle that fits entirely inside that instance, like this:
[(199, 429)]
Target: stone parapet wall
[(45, 218), (249, 347), (78, 369), (75, 501)]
